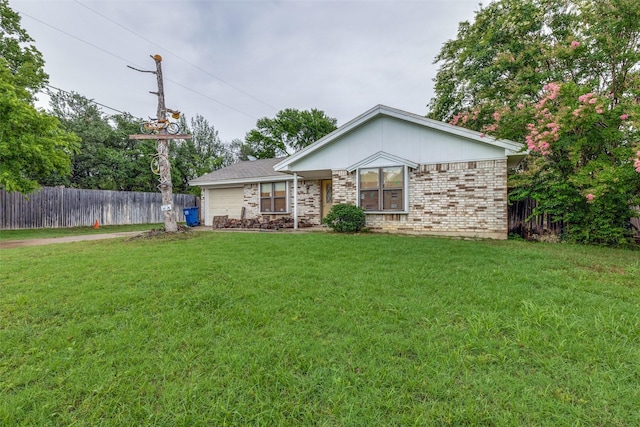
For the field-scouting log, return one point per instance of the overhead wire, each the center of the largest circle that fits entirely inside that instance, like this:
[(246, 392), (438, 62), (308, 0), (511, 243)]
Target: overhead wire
[(176, 55), (155, 44), (93, 102), (139, 66)]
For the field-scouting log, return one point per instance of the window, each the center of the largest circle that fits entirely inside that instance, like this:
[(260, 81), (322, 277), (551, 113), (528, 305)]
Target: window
[(382, 189), (273, 197)]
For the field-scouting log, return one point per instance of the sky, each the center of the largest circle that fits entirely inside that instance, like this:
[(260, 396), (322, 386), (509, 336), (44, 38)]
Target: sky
[(235, 61)]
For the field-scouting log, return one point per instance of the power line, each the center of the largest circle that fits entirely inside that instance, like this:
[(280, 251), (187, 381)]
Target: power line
[(76, 38), (172, 81), (129, 62), (93, 102), (177, 56)]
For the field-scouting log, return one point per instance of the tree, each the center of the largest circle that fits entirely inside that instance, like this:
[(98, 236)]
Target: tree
[(32, 143), (107, 159), (291, 130), (562, 75), (22, 58), (101, 162), (201, 154)]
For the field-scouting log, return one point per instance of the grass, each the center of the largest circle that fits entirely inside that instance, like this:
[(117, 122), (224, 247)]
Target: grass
[(44, 233), (319, 329)]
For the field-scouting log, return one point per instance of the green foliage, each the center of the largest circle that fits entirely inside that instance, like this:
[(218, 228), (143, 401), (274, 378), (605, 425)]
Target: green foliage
[(562, 75), (23, 60), (348, 330), (108, 159), (290, 131), (201, 154), (345, 218), (32, 143)]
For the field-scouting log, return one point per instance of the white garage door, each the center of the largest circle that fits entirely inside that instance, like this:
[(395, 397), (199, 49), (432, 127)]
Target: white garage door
[(225, 201)]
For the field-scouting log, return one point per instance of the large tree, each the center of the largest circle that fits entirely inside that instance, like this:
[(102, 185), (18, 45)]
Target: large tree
[(289, 131), (203, 153), (562, 75), (32, 143), (102, 162)]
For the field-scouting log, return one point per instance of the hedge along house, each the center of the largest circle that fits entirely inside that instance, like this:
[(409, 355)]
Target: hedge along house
[(410, 174)]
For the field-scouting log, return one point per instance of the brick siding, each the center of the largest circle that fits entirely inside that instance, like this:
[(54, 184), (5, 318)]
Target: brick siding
[(451, 199), (308, 202)]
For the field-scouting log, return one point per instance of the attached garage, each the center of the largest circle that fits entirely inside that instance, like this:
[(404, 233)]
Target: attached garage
[(223, 190), (224, 201)]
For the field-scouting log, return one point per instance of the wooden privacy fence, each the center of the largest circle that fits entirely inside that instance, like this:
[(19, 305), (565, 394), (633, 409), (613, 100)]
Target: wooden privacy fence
[(56, 207), (522, 223)]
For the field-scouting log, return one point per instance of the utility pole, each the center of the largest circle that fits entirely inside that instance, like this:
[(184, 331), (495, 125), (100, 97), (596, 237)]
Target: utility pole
[(166, 187), (162, 155)]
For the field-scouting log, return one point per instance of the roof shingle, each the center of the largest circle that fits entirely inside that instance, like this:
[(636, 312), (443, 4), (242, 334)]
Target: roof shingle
[(243, 170)]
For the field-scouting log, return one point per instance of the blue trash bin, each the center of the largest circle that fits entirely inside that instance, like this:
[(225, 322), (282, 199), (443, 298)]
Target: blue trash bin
[(191, 216)]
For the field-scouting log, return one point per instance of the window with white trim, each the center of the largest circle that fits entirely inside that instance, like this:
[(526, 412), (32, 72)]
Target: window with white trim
[(382, 189), (273, 197)]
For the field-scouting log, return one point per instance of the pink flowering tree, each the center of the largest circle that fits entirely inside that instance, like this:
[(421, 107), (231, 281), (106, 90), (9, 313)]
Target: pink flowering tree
[(582, 162), (562, 77)]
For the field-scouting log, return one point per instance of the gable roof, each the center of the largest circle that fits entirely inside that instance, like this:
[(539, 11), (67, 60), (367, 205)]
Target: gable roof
[(243, 172), (510, 147)]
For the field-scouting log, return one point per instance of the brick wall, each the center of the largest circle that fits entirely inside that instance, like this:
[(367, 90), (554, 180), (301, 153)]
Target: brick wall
[(308, 202), (309, 199), (344, 187), (451, 199)]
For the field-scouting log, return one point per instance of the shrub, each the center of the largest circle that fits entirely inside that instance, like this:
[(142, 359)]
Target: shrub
[(345, 218)]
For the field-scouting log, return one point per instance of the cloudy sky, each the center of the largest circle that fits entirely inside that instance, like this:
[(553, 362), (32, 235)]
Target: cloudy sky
[(235, 61)]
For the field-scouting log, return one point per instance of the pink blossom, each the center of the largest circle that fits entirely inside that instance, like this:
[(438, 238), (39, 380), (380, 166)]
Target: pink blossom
[(585, 98), (599, 110), (624, 117), (593, 101), (520, 105), (482, 135), (575, 44), (636, 164), (576, 112), (590, 197), (496, 116), (490, 128)]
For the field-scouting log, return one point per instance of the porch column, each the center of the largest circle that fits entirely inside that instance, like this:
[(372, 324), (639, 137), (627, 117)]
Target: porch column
[(295, 201)]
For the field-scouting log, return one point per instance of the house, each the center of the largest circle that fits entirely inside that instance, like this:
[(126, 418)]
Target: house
[(410, 174)]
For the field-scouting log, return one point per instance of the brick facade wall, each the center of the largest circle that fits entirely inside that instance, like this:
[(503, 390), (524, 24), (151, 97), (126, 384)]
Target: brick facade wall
[(309, 199), (449, 199), (452, 199), (344, 187)]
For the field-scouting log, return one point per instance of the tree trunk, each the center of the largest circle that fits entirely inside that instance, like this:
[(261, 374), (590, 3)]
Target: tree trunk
[(166, 187)]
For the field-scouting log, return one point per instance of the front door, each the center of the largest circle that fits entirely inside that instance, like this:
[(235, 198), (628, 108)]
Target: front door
[(327, 196)]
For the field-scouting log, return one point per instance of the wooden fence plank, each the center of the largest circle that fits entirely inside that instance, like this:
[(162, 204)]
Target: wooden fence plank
[(57, 207)]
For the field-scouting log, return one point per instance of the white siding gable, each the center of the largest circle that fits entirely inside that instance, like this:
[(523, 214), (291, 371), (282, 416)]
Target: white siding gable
[(414, 139)]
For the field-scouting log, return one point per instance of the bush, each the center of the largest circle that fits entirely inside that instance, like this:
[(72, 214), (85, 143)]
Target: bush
[(345, 218)]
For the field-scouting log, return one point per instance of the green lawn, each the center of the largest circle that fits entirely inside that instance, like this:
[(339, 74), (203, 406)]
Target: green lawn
[(44, 233), (319, 329)]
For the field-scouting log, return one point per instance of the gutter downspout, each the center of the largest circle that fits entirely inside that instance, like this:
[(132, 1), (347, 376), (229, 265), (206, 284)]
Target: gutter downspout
[(295, 201)]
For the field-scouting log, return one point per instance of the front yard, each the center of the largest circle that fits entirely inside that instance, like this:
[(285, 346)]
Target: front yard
[(319, 329)]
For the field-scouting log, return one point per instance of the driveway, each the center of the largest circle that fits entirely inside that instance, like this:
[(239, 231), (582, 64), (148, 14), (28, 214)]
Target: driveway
[(67, 239)]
